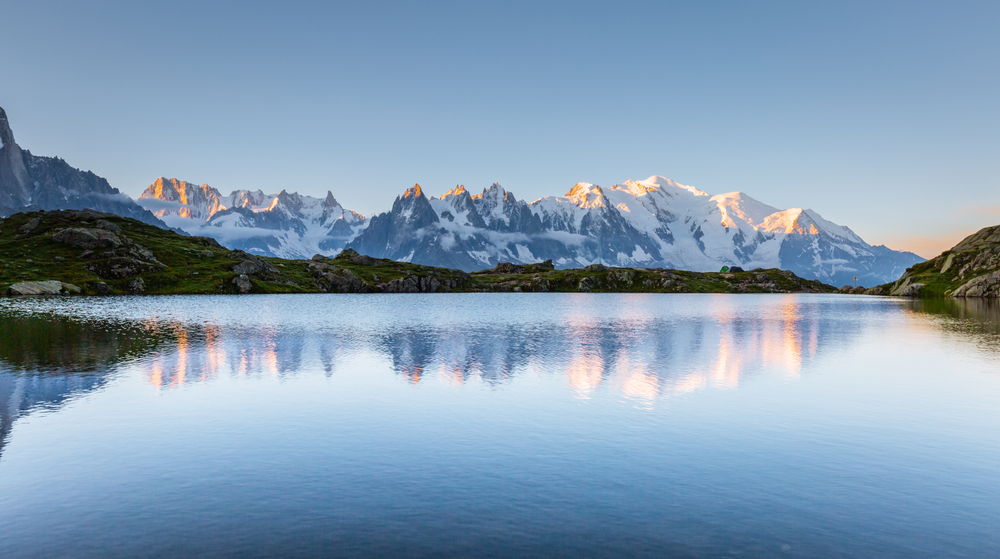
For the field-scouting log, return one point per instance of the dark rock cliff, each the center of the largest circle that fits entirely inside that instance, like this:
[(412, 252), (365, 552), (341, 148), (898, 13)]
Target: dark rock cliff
[(29, 183)]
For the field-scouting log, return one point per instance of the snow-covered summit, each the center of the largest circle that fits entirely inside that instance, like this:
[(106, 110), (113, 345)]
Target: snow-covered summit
[(285, 224), (655, 222), (652, 222)]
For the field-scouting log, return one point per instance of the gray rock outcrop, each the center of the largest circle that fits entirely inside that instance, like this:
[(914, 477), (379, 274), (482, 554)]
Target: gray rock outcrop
[(982, 286), (970, 269), (137, 286), (88, 238), (242, 283), (251, 264), (51, 287)]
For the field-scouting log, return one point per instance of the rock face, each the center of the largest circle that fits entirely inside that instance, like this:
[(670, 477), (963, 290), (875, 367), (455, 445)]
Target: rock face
[(651, 223), (907, 289), (30, 183), (982, 286), (51, 287), (286, 225), (242, 283), (88, 238), (970, 269), (251, 264)]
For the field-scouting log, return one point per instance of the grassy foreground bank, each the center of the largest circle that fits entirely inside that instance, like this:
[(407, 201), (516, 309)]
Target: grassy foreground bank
[(90, 253)]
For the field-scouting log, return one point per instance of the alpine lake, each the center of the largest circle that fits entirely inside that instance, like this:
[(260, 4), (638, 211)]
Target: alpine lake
[(500, 425)]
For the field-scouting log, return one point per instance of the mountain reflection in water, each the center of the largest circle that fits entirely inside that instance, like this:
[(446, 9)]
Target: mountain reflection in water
[(499, 425), (643, 359), (47, 357)]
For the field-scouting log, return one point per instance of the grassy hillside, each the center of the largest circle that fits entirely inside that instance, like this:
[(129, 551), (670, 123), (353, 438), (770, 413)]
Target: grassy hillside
[(92, 253), (970, 269)]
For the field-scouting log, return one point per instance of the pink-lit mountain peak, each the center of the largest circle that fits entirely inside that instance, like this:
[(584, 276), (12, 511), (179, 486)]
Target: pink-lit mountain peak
[(586, 195), (661, 184), (413, 192), (495, 192), (458, 190), (738, 207)]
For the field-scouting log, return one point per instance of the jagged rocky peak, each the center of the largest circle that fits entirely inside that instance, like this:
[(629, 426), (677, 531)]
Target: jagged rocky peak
[(414, 192), (292, 201), (584, 189), (494, 192), (652, 222), (458, 190), (330, 202), (287, 224), (6, 135), (49, 183), (14, 181), (793, 220), (194, 201), (252, 199), (164, 187)]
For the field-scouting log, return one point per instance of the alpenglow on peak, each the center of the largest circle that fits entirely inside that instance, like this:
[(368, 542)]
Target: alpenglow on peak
[(655, 222), (289, 225)]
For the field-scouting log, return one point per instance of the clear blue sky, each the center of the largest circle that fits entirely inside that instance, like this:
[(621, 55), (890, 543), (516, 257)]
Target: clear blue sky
[(884, 117)]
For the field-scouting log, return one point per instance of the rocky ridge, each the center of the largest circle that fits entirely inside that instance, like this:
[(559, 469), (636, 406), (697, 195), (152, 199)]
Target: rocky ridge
[(29, 183), (287, 225), (969, 269)]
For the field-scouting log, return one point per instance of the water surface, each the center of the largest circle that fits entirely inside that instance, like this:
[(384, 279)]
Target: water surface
[(500, 425)]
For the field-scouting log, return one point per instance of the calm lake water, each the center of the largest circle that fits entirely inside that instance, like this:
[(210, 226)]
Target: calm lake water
[(506, 425)]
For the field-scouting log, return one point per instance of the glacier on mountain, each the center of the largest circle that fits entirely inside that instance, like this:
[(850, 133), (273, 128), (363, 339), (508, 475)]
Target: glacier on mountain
[(287, 225), (649, 223), (654, 222)]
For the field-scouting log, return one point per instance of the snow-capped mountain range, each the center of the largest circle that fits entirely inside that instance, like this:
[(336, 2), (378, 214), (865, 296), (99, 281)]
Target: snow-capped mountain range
[(283, 224), (649, 223)]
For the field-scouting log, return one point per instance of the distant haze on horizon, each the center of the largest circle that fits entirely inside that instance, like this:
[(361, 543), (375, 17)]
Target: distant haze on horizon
[(880, 116)]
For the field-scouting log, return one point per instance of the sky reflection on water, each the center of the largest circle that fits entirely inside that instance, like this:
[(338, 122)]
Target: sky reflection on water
[(587, 424)]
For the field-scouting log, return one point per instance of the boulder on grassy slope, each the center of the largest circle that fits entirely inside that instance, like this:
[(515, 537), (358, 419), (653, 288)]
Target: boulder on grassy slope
[(51, 287), (89, 238)]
